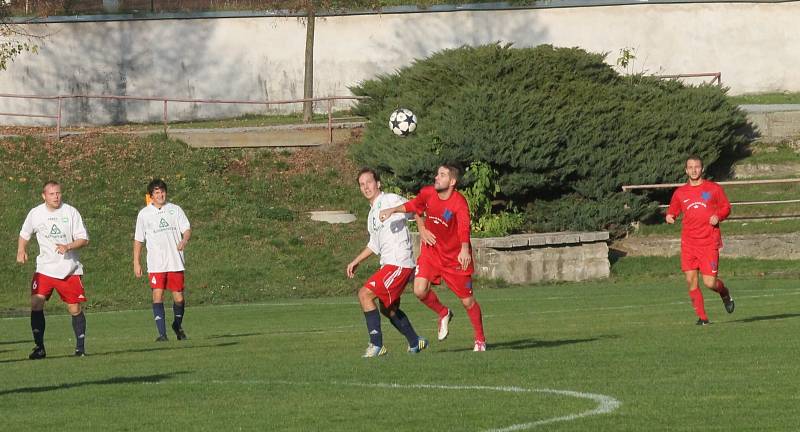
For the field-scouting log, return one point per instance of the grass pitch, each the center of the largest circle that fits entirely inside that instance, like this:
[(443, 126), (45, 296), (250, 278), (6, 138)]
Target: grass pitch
[(295, 365)]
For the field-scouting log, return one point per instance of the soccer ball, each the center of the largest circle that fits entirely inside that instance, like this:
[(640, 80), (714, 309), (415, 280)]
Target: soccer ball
[(402, 122)]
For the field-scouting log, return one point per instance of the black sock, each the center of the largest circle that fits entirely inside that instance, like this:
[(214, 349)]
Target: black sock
[(177, 310), (401, 322), (374, 327), (158, 316), (79, 327), (37, 327)]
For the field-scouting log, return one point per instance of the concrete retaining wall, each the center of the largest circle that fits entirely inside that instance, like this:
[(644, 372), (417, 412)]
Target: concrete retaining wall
[(755, 46), (532, 258), (767, 246)]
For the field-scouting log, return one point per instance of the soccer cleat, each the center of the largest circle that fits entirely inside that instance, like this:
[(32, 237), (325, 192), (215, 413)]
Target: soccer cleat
[(444, 325), (162, 338), (374, 351), (38, 353), (422, 343), (480, 346), (80, 353), (729, 304), (702, 322), (179, 332)]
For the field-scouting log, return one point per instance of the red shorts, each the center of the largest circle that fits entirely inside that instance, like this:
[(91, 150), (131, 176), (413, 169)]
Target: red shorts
[(70, 288), (388, 283), (459, 281), (704, 258), (172, 281)]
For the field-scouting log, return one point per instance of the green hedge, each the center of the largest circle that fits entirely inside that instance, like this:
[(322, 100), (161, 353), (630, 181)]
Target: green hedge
[(561, 128)]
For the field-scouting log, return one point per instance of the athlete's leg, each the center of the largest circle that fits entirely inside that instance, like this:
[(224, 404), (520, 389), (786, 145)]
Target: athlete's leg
[(159, 314), (78, 326), (371, 315), (400, 321), (428, 297), (37, 319), (178, 309), (475, 317), (695, 294)]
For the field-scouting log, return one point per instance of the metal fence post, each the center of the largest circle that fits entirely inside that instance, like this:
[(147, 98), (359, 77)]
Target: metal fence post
[(330, 121), (58, 121), (165, 117)]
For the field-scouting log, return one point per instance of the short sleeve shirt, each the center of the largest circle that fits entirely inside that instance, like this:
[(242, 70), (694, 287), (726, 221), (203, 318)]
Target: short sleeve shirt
[(53, 227), (390, 239), (161, 230)]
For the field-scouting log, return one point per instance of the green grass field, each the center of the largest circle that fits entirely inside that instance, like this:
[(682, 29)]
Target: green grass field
[(628, 346)]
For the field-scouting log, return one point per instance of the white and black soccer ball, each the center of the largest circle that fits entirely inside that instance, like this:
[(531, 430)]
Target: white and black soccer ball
[(402, 122)]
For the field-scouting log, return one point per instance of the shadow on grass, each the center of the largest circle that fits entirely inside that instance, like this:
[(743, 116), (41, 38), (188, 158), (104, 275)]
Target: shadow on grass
[(767, 318), (127, 351), (521, 344), (109, 381)]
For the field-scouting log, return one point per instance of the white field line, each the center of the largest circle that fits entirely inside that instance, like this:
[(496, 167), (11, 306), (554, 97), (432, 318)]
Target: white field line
[(777, 293), (605, 404)]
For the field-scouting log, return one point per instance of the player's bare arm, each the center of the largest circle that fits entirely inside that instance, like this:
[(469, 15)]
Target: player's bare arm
[(386, 213), (137, 265), (22, 254), (425, 236), (351, 268), (77, 244), (464, 256), (185, 240)]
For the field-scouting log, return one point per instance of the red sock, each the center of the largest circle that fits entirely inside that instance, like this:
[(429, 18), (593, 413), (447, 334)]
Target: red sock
[(477, 321), (720, 288), (431, 300), (698, 303)]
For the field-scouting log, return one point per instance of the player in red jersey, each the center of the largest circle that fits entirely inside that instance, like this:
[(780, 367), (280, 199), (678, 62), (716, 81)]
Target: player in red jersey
[(704, 205), (446, 252)]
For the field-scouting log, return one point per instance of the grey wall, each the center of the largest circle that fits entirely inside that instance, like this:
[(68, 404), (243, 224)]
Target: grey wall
[(755, 46)]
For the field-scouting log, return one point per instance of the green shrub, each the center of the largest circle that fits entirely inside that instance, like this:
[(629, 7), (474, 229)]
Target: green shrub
[(559, 127)]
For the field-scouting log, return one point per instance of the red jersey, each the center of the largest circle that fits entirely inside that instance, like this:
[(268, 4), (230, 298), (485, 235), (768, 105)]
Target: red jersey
[(448, 220), (698, 204)]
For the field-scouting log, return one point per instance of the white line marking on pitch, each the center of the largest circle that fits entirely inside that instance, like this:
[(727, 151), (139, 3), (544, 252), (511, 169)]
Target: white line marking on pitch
[(605, 404)]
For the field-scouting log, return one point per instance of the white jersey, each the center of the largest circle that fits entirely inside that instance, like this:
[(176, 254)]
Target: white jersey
[(53, 227), (390, 239), (161, 230)]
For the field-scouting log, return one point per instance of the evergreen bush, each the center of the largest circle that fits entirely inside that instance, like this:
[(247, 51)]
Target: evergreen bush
[(560, 128)]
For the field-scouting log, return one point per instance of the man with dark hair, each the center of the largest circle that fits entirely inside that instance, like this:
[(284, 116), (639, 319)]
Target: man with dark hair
[(165, 229), (60, 232), (446, 251), (704, 205), (391, 240)]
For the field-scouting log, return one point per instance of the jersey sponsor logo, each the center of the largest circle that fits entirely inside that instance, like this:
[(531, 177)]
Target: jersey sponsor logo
[(55, 231), (696, 205), (163, 224)]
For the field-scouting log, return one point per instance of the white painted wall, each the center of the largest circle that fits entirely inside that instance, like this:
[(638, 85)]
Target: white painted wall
[(755, 46)]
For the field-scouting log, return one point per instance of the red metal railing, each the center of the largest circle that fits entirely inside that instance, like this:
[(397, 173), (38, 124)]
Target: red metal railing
[(165, 100), (723, 183)]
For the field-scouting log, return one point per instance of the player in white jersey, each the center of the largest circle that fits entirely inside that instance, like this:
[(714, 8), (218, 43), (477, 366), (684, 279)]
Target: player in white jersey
[(164, 228), (391, 240), (60, 233)]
